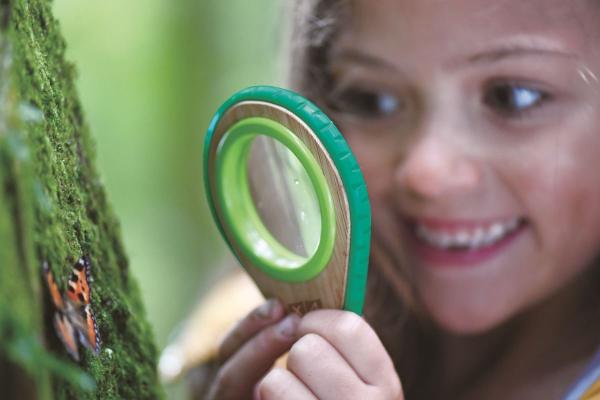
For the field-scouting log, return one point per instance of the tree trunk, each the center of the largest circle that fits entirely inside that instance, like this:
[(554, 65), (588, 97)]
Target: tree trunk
[(53, 209)]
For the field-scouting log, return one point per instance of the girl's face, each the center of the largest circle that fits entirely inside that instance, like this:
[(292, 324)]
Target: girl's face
[(477, 126)]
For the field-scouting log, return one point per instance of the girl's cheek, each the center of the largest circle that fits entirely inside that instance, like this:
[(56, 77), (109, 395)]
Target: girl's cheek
[(376, 164)]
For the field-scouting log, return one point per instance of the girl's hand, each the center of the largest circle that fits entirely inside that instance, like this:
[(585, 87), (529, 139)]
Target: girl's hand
[(338, 356), (250, 349)]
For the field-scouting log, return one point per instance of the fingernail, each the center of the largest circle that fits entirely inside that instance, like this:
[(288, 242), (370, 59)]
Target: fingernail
[(266, 309), (288, 326), (256, 392)]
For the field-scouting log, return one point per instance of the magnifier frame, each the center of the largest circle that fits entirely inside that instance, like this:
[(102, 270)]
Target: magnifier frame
[(341, 284)]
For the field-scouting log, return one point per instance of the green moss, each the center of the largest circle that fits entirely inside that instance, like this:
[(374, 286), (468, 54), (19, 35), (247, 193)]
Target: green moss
[(53, 208)]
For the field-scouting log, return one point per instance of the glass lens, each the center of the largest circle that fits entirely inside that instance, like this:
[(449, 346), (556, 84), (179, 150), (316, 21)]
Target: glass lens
[(284, 196)]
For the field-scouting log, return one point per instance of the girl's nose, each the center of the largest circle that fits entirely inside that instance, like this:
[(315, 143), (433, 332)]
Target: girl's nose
[(436, 166)]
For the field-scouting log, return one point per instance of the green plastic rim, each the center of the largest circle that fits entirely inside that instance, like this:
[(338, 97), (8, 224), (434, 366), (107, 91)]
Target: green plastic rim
[(347, 167), (240, 213)]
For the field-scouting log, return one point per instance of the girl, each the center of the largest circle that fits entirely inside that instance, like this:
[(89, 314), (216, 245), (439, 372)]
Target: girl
[(477, 126)]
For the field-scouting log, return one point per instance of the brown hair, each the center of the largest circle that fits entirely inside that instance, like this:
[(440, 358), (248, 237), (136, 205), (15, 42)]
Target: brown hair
[(391, 305)]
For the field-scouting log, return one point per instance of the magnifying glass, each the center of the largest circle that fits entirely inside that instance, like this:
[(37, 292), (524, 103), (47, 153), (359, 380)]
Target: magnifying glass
[(289, 199)]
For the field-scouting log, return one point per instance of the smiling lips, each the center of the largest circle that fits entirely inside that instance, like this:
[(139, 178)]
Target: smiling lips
[(461, 243), (445, 236)]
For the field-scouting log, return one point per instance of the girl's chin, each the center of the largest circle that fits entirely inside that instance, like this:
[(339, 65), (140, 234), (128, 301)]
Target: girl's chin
[(469, 320)]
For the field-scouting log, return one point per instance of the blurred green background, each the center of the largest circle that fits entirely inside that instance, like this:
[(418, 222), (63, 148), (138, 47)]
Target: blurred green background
[(151, 74)]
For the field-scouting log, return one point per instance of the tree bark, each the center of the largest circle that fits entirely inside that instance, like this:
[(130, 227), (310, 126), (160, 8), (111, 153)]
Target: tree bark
[(53, 208)]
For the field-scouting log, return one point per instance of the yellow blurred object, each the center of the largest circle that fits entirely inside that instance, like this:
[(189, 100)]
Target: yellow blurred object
[(593, 392), (198, 343), (226, 303)]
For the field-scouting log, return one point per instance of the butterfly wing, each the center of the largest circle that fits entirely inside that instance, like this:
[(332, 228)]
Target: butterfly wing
[(74, 319), (79, 310), (78, 288), (53, 288), (88, 331), (66, 333)]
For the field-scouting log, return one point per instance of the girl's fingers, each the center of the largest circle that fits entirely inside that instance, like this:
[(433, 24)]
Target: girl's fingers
[(282, 384), (266, 314), (355, 341), (240, 373), (320, 367)]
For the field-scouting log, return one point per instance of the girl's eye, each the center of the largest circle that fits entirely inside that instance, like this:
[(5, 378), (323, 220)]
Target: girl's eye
[(512, 99), (365, 103)]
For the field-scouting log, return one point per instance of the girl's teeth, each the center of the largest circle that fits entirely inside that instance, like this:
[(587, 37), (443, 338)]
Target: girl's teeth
[(472, 239)]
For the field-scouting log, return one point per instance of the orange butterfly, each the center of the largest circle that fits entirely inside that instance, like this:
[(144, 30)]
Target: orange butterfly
[(74, 321)]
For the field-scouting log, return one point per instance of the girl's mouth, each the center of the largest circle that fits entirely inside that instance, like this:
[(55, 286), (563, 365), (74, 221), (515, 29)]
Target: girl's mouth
[(456, 243)]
